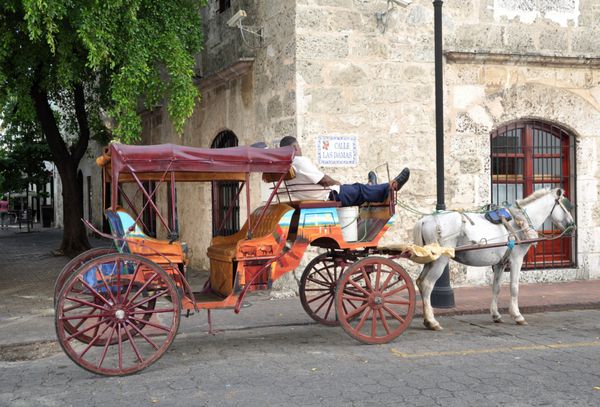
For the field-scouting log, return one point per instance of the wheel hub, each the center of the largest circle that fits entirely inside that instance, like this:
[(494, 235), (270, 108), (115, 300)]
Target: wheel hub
[(119, 314), (376, 300)]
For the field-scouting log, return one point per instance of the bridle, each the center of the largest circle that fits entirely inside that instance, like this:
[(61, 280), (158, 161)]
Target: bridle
[(558, 201)]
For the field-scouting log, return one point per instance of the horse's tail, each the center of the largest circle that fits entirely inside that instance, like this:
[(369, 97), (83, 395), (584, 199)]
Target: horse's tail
[(418, 233)]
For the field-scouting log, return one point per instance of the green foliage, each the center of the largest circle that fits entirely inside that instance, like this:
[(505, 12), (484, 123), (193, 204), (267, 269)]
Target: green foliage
[(125, 54)]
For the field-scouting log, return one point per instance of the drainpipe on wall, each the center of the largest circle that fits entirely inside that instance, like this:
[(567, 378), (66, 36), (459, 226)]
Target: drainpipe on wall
[(442, 295)]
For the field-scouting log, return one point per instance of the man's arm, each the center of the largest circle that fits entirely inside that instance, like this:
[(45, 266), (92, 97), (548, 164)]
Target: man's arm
[(327, 181)]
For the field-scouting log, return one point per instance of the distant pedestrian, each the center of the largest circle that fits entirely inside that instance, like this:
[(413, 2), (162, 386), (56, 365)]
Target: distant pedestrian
[(3, 212)]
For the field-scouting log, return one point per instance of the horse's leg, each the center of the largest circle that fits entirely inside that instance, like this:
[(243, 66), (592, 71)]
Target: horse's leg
[(513, 308), (430, 274), (498, 270)]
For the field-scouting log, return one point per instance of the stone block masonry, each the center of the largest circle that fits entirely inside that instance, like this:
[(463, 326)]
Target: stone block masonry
[(325, 67)]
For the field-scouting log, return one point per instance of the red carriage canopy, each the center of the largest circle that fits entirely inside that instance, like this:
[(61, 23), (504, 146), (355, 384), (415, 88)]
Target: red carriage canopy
[(192, 163)]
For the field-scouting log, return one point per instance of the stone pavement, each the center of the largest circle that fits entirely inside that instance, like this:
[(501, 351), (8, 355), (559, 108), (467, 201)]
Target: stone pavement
[(28, 271)]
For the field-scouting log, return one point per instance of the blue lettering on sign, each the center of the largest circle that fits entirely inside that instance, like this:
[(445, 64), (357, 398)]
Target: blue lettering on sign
[(337, 150)]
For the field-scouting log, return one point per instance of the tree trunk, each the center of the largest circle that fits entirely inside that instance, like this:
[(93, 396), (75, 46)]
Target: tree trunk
[(74, 239), (67, 160)]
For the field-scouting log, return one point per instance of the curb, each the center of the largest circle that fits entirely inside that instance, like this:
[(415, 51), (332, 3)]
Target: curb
[(525, 309)]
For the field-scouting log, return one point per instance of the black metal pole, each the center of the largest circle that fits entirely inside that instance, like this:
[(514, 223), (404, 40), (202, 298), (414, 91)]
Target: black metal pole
[(442, 295)]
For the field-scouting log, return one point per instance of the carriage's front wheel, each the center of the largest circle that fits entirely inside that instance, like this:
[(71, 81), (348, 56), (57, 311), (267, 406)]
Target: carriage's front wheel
[(317, 289), (124, 302), (375, 300)]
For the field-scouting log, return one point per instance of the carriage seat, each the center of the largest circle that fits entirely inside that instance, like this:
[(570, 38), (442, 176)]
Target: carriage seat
[(222, 250), (224, 247), (122, 225)]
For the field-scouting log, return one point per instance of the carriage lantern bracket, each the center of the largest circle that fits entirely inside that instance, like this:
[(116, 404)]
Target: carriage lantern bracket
[(442, 295)]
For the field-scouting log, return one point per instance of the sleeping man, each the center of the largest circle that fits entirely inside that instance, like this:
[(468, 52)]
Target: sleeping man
[(312, 184)]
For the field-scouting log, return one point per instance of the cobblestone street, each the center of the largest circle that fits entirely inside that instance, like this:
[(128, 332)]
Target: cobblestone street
[(553, 361), (273, 354)]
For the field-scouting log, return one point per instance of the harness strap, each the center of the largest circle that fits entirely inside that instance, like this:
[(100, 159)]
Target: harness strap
[(511, 230), (523, 222), (465, 216)]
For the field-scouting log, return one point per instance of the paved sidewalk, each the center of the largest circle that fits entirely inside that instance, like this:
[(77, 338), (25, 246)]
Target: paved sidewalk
[(28, 271)]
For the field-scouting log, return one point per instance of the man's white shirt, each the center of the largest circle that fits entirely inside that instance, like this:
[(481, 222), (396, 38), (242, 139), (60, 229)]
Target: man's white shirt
[(305, 186)]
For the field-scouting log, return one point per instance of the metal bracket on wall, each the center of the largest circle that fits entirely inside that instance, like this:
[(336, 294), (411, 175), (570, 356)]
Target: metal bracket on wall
[(382, 16), (236, 22)]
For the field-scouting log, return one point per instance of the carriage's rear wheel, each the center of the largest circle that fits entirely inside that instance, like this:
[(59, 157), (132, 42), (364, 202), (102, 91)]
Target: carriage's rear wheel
[(317, 289), (375, 300), (109, 300)]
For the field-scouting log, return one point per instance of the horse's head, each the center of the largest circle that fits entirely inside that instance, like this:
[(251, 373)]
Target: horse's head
[(561, 213)]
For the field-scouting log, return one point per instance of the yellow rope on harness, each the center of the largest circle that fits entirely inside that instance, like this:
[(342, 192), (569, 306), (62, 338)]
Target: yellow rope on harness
[(422, 254)]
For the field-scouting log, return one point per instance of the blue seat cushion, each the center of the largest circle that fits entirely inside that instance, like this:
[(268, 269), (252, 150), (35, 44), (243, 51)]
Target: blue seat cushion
[(496, 216)]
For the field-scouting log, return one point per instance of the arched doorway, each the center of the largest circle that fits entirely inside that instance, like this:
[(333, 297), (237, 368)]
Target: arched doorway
[(529, 155), (224, 192)]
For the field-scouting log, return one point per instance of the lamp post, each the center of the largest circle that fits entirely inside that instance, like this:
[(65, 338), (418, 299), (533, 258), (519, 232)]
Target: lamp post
[(442, 295)]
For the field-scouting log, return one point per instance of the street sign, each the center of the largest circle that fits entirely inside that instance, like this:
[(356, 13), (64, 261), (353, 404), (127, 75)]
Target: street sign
[(337, 150)]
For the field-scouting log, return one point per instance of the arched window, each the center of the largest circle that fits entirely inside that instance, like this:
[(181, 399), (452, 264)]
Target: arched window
[(531, 155), (224, 192)]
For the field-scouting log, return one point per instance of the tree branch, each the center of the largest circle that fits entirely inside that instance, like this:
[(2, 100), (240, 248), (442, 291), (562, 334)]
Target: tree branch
[(82, 120)]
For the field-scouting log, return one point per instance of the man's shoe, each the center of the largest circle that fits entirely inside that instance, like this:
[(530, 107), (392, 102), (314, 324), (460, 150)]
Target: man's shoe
[(401, 179), (372, 177)]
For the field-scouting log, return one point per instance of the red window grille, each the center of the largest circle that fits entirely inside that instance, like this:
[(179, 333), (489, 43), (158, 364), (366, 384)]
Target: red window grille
[(224, 192), (531, 155)]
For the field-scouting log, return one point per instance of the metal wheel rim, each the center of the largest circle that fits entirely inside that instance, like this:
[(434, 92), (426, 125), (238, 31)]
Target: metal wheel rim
[(75, 263), (122, 353), (321, 276), (382, 307), (69, 269)]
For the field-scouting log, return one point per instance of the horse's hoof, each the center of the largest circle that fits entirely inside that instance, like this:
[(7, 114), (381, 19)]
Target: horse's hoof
[(433, 327), (498, 320), (521, 322)]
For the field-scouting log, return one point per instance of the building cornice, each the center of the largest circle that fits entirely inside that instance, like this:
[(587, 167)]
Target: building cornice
[(497, 58), (233, 71)]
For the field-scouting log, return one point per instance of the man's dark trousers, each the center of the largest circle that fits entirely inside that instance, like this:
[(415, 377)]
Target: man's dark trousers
[(357, 194)]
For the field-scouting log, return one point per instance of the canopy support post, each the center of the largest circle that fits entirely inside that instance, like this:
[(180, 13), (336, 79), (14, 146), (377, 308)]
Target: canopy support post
[(248, 206)]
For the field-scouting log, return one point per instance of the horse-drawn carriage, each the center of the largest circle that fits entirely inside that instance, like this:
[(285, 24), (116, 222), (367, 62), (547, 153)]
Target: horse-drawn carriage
[(118, 309)]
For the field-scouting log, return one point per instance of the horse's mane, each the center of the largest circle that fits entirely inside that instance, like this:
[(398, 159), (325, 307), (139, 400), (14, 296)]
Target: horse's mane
[(533, 197)]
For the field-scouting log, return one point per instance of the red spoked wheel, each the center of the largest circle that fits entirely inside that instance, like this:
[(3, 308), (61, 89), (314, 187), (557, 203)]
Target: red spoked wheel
[(72, 326), (375, 300), (317, 289), (125, 306), (75, 263)]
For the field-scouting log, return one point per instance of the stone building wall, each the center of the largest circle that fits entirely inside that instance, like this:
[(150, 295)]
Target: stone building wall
[(329, 67), (247, 89), (505, 60)]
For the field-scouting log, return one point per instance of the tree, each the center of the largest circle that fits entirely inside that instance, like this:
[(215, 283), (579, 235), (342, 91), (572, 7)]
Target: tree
[(69, 64), (22, 154)]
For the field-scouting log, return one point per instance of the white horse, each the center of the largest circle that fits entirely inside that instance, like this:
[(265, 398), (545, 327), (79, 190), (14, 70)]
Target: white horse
[(453, 229)]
